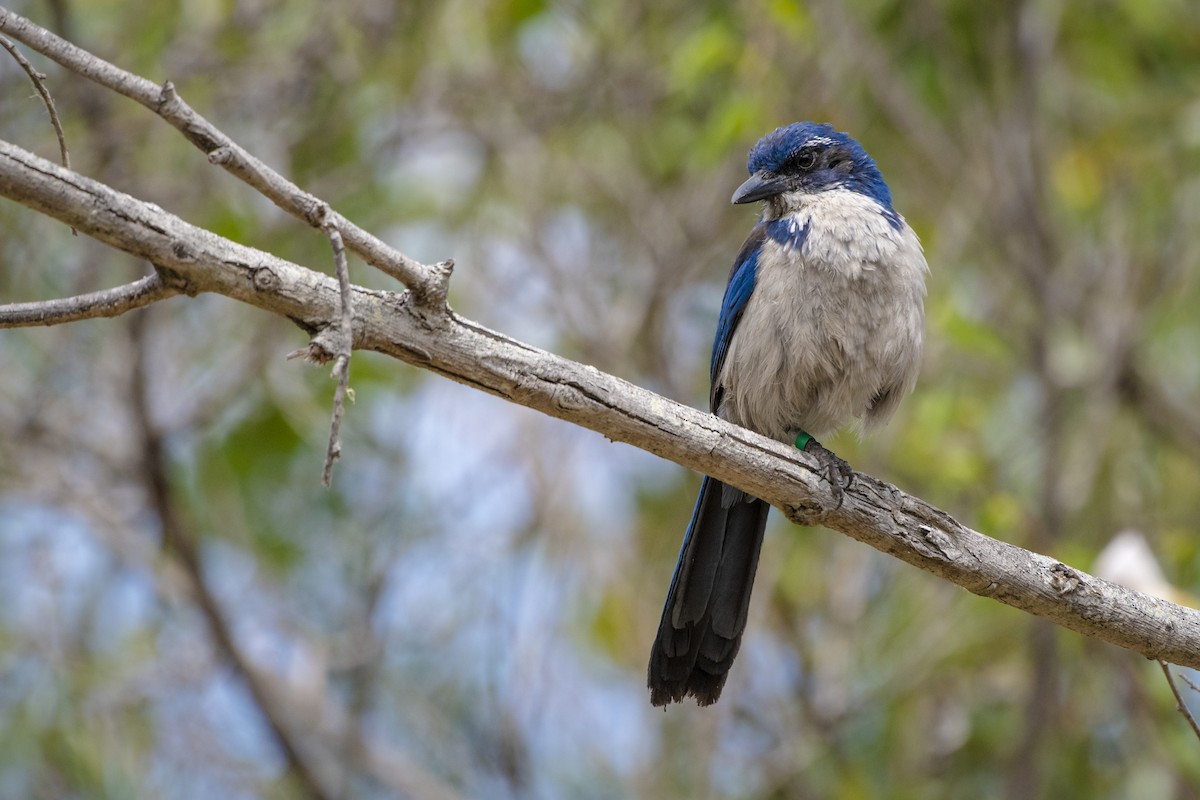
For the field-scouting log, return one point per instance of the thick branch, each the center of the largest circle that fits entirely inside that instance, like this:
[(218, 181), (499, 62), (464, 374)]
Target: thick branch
[(874, 512), (105, 303), (427, 283)]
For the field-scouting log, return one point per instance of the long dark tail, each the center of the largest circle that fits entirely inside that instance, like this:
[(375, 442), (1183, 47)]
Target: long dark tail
[(705, 614)]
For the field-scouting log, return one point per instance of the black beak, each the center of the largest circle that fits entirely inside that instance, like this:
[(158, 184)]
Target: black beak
[(759, 186)]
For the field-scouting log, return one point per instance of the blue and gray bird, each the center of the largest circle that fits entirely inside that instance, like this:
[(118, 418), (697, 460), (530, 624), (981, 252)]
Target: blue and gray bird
[(822, 323)]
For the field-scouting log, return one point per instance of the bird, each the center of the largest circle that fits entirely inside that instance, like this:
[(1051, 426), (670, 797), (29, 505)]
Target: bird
[(822, 324)]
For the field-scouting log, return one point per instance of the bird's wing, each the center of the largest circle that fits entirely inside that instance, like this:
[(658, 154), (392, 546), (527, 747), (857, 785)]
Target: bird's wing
[(737, 294)]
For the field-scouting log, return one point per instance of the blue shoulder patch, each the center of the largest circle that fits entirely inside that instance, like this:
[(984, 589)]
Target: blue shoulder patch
[(788, 232), (737, 294)]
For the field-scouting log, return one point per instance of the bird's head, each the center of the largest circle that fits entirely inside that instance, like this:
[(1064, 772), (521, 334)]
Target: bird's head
[(804, 158)]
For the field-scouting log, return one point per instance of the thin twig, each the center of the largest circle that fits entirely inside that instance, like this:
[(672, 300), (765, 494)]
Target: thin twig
[(39, 84), (104, 303), (344, 342), (1179, 704)]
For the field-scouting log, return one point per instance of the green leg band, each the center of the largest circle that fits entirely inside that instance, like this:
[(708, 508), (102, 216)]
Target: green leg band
[(802, 440)]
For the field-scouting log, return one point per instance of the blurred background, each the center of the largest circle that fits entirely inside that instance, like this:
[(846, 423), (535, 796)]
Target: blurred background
[(186, 613)]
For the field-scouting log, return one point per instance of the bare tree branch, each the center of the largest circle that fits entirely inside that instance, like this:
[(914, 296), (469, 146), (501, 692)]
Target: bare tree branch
[(873, 512), (1179, 704), (428, 284), (39, 85), (105, 303)]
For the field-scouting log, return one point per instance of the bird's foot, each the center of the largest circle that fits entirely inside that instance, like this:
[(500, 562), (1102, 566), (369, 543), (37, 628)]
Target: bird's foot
[(837, 471)]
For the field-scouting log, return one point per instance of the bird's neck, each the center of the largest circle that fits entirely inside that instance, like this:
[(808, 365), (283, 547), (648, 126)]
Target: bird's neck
[(838, 207)]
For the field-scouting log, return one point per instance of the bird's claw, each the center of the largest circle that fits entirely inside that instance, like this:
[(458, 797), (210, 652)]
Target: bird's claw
[(837, 471)]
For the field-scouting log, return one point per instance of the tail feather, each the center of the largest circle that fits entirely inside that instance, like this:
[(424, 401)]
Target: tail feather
[(707, 604)]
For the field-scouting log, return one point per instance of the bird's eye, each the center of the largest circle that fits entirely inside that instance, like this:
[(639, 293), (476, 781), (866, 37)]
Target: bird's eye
[(804, 160)]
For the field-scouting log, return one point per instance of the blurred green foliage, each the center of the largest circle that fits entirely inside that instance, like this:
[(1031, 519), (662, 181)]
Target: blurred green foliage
[(476, 595)]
